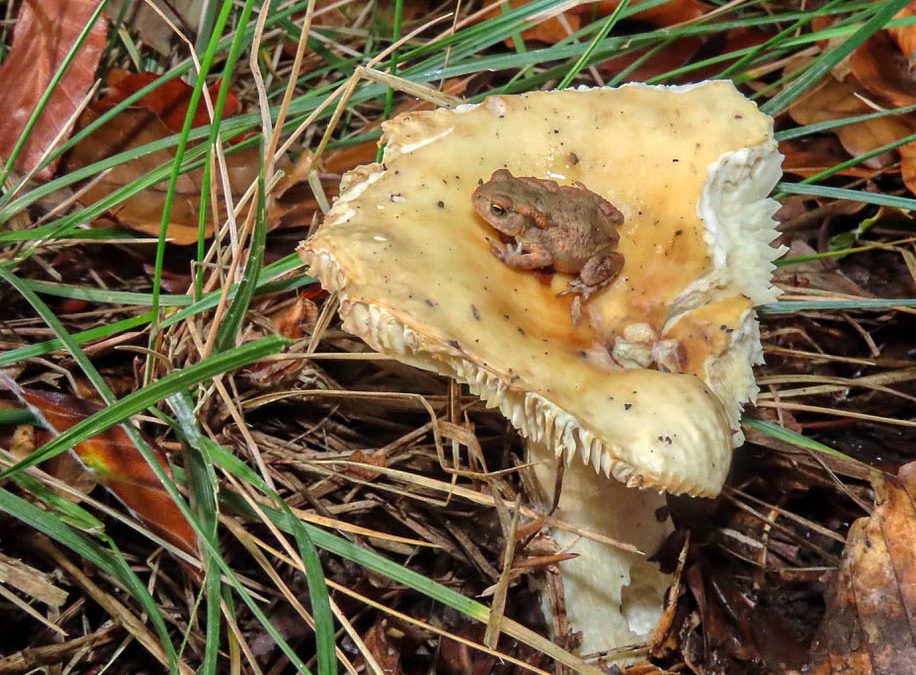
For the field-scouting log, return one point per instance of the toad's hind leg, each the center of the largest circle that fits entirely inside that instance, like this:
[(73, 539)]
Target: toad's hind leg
[(600, 270), (597, 272)]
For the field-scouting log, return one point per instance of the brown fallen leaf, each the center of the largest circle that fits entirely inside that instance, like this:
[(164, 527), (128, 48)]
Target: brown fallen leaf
[(117, 464), (659, 62), (548, 29), (812, 154), (905, 36), (384, 648), (870, 622), (169, 101), (139, 126), (836, 100), (881, 68), (45, 32)]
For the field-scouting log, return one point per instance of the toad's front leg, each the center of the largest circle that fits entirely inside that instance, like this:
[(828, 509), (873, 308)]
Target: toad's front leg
[(534, 256)]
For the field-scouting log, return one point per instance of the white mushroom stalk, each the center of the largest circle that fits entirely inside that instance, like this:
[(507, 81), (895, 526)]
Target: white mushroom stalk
[(647, 387)]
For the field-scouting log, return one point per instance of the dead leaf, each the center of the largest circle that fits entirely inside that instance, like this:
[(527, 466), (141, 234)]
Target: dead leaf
[(813, 154), (384, 648), (908, 165), (905, 36), (169, 101), (45, 32), (117, 464), (870, 622), (547, 29), (836, 100), (662, 61), (139, 126), (880, 67)]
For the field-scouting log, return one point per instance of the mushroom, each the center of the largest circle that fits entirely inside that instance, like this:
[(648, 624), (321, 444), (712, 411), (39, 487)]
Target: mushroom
[(647, 387)]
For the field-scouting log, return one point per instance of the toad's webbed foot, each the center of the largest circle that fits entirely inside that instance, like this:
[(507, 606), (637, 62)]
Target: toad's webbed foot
[(582, 293)]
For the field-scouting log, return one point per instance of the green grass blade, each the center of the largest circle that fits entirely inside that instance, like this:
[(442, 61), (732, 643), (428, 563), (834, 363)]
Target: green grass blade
[(110, 562), (792, 306), (235, 50), (787, 436), (904, 203), (199, 84), (822, 65), (105, 296), (203, 488), (136, 401), (606, 27), (318, 593), (798, 132), (235, 315)]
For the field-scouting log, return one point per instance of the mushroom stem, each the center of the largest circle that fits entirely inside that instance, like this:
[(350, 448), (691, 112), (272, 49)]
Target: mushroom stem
[(613, 597)]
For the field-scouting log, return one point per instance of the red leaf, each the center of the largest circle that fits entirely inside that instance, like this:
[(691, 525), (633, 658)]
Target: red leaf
[(156, 115), (169, 100), (143, 211), (45, 31), (870, 622), (119, 466)]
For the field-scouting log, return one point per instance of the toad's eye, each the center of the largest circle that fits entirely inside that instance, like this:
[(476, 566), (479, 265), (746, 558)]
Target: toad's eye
[(497, 210)]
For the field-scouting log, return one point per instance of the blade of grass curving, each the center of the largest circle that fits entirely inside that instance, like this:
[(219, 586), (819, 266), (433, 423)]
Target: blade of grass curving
[(792, 306), (392, 67), (839, 253), (213, 140), (798, 132), (103, 295), (905, 203), (203, 488), (400, 574), (318, 593), (208, 302), (121, 409), (235, 314), (830, 58), (780, 433), (110, 562), (199, 84), (777, 39), (49, 90), (606, 27)]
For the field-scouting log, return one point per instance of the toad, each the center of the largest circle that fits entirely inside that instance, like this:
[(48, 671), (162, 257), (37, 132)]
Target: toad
[(571, 229)]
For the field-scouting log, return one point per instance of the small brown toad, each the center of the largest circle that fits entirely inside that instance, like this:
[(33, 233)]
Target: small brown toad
[(568, 228)]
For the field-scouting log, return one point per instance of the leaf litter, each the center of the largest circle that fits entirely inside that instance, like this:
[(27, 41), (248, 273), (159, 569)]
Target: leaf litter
[(776, 574), (46, 30)]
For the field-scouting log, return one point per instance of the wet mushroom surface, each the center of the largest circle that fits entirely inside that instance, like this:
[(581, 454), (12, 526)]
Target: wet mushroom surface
[(689, 168)]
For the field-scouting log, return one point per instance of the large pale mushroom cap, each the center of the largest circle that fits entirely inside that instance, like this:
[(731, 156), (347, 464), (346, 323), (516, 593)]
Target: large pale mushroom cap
[(689, 167)]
